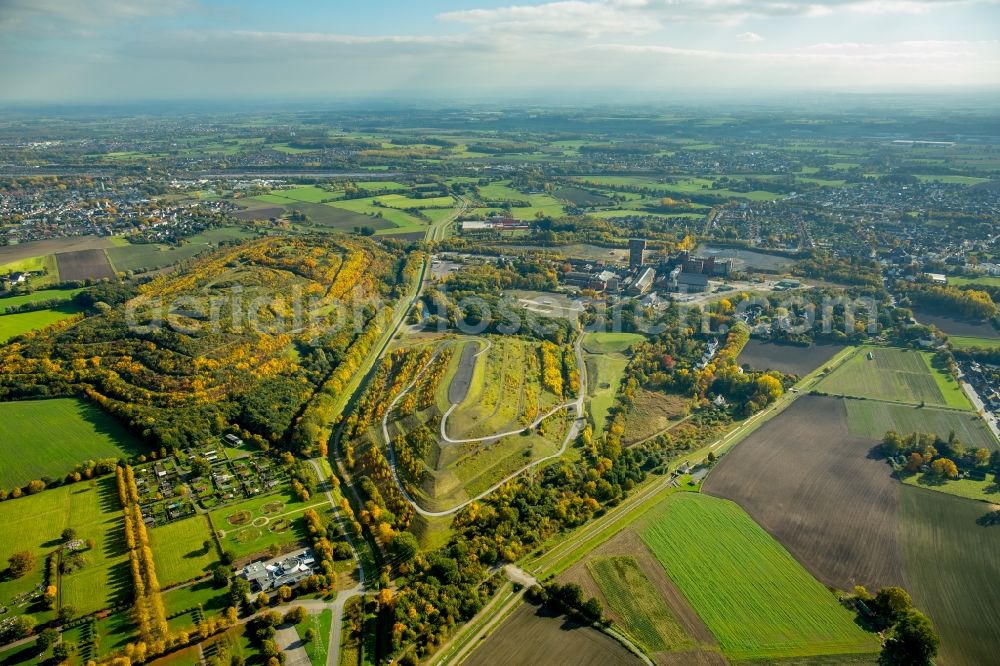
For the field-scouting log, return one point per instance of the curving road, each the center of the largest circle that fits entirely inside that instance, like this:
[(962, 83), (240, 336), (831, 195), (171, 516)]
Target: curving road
[(572, 434)]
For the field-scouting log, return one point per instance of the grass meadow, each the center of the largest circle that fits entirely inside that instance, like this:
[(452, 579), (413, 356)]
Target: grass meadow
[(49, 437), (12, 325), (755, 598), (35, 523), (900, 375), (871, 418), (179, 552)]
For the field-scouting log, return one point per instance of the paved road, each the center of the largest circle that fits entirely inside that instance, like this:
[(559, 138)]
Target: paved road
[(333, 653)]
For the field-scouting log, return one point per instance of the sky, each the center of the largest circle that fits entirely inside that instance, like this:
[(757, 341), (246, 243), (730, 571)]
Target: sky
[(67, 51)]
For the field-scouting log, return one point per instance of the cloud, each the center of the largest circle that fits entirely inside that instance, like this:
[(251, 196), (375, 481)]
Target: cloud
[(591, 19), (21, 13), (749, 37)]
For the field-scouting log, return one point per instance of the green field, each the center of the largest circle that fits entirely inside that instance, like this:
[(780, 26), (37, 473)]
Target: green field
[(307, 193), (12, 325), (49, 437), (755, 598), (967, 342), (602, 343), (95, 514), (604, 376), (646, 616), (901, 375), (366, 207), (37, 297), (871, 418), (953, 569), (46, 262), (985, 280), (35, 523), (179, 553)]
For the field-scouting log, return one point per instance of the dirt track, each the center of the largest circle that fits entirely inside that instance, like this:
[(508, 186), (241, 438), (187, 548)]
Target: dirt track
[(821, 492)]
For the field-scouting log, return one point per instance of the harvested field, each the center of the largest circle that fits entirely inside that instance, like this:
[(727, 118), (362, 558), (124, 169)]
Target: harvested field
[(790, 359), (819, 490), (84, 265), (411, 236), (9, 253), (533, 636), (952, 569), (581, 197), (261, 213), (953, 326)]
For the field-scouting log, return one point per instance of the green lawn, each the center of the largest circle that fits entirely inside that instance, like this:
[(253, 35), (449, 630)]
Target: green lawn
[(602, 343), (872, 418), (646, 616), (179, 553), (12, 325), (952, 567), (49, 437), (755, 598), (203, 594), (35, 523), (902, 375)]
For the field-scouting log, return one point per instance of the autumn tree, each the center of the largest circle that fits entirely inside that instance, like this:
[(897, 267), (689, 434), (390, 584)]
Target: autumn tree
[(21, 563)]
